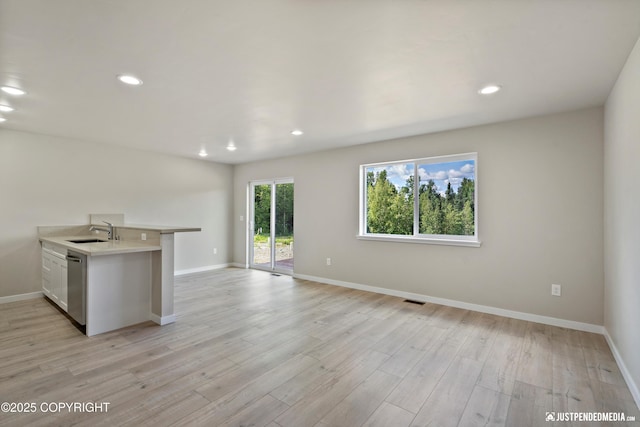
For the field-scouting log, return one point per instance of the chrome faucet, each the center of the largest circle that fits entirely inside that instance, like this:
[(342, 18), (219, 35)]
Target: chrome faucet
[(108, 230)]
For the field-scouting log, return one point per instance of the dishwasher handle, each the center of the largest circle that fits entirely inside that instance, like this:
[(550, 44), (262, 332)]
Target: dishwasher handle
[(74, 259)]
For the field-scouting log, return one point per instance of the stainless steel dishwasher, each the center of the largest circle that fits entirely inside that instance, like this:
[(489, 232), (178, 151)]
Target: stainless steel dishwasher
[(77, 286)]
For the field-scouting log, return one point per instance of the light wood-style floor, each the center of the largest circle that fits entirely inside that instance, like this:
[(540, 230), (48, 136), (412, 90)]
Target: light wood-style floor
[(252, 349)]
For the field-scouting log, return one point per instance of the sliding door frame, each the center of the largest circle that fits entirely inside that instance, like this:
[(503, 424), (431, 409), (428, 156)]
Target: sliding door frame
[(272, 223)]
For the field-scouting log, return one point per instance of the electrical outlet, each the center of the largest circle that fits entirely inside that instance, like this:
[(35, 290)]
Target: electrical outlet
[(241, 217), (556, 290), (143, 236), (328, 261), (215, 251)]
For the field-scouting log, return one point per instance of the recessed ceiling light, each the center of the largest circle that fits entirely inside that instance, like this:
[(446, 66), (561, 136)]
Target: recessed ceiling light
[(5, 109), (296, 132), (488, 90), (2, 119), (12, 90), (129, 79), (203, 153), (231, 146)]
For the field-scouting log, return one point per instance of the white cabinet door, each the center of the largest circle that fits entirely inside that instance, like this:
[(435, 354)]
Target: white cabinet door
[(62, 290), (54, 274), (46, 273), (55, 279)]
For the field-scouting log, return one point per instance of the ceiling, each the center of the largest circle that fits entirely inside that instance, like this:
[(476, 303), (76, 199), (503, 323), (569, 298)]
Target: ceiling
[(344, 71)]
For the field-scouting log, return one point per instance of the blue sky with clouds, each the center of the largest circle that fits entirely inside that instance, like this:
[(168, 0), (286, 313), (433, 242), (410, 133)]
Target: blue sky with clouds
[(440, 173)]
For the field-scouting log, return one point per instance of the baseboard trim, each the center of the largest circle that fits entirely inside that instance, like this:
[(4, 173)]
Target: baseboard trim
[(553, 321), (239, 265), (200, 269), (162, 320), (20, 297), (633, 387)]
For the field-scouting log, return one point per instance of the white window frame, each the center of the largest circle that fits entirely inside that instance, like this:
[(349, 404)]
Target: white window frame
[(436, 239)]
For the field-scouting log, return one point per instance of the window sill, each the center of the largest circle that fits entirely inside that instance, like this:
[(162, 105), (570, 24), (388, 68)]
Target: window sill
[(421, 240)]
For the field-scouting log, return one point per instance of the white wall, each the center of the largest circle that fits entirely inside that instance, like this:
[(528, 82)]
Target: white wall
[(622, 218), (46, 180), (540, 217)]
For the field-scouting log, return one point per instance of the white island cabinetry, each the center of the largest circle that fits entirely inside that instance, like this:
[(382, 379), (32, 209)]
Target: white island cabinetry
[(118, 291), (54, 274), (127, 280)]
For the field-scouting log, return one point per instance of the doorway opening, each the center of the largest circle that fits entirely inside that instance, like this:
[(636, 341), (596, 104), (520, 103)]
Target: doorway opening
[(271, 226)]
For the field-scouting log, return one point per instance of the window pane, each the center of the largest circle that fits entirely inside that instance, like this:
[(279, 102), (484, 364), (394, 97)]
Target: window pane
[(447, 198), (262, 226), (390, 199), (284, 226)]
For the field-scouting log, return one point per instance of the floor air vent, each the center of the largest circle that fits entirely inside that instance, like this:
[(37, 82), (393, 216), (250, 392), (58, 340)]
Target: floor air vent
[(411, 301), (276, 274)]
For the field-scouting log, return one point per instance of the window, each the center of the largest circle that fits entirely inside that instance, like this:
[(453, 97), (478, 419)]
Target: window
[(444, 210)]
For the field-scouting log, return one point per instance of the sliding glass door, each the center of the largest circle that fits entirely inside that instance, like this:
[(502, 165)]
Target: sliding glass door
[(271, 235)]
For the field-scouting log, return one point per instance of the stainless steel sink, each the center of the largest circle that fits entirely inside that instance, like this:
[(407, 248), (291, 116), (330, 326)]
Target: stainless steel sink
[(86, 241)]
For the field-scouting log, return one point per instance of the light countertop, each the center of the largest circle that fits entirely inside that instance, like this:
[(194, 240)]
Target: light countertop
[(162, 229), (109, 247)]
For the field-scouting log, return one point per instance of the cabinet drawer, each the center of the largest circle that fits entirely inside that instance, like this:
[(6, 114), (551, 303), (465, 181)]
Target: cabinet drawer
[(54, 250)]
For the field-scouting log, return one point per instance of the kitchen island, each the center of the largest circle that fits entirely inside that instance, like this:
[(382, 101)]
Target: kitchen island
[(129, 279)]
